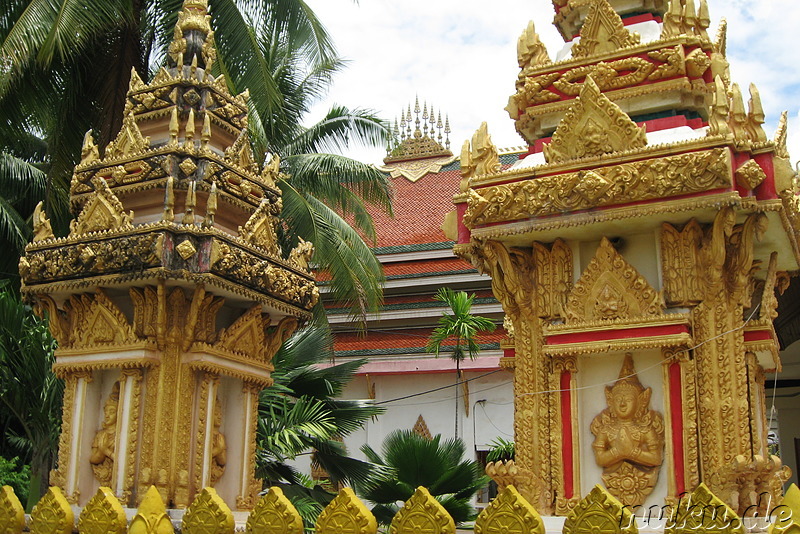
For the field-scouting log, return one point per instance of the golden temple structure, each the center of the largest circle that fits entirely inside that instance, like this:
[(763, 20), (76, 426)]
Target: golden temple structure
[(638, 250), (170, 295)]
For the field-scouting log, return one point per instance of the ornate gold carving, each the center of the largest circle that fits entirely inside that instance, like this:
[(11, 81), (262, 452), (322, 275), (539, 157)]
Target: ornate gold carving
[(186, 249), (717, 516), (509, 513), (219, 449), (246, 335), (129, 140), (300, 256), (781, 134), (750, 175), (277, 336), (259, 230), (610, 288), (679, 251), (103, 211), (737, 119), (674, 64), (603, 31), (593, 126), (421, 428), (484, 156), (601, 513), (151, 517), (41, 224), (755, 117), (530, 49), (788, 521), (104, 442), (629, 438), (346, 514), (208, 514), (96, 321), (682, 18), (720, 109), (52, 514), (274, 513), (604, 186), (697, 63), (103, 514), (422, 513), (89, 152), (553, 274), (12, 514)]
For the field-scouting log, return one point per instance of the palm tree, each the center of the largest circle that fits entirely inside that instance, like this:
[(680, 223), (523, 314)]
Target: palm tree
[(301, 413), (30, 394), (409, 461), (458, 331), (65, 66)]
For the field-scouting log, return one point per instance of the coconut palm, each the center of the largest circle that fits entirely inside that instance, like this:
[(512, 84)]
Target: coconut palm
[(457, 332), (30, 394), (65, 66), (409, 461)]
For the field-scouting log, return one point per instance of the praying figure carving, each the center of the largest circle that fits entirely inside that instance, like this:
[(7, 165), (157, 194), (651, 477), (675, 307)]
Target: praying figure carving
[(219, 449), (104, 442), (629, 438)]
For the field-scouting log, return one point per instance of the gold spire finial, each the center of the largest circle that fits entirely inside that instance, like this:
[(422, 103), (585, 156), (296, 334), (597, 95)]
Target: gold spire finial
[(781, 149), (422, 142), (193, 40), (530, 49), (718, 115), (703, 20), (722, 37), (755, 117), (738, 116)]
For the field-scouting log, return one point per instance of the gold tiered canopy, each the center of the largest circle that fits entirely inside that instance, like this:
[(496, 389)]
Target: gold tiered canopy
[(171, 293), (646, 232)]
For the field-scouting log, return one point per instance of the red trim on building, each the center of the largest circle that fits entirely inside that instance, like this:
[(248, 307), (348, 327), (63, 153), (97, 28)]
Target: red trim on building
[(463, 232), (766, 191), (621, 333), (676, 410), (509, 353), (566, 433), (757, 335), (739, 159), (425, 366)]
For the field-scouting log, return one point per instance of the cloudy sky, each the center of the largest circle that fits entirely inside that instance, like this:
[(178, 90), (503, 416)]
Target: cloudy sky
[(460, 56)]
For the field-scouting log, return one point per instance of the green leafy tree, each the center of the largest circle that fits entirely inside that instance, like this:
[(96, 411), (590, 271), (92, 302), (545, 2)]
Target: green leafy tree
[(30, 394), (409, 461), (500, 450), (457, 332)]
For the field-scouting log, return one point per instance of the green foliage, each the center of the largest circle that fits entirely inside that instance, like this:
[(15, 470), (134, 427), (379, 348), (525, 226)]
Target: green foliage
[(409, 461), (458, 330), (30, 394), (16, 476), (500, 450)]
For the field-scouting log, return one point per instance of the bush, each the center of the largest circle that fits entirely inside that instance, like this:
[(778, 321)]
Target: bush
[(16, 476)]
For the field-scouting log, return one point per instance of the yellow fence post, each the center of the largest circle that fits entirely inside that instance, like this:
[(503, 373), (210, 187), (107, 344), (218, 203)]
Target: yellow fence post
[(787, 520), (346, 514), (103, 514), (509, 512), (12, 514), (208, 514), (274, 514), (52, 514), (600, 513), (702, 512), (422, 513), (151, 518)]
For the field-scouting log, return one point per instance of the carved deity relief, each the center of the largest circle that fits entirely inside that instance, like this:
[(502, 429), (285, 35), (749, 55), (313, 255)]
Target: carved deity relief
[(629, 438), (104, 442), (219, 449)]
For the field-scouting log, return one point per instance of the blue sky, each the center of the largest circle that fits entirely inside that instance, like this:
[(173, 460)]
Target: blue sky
[(460, 55)]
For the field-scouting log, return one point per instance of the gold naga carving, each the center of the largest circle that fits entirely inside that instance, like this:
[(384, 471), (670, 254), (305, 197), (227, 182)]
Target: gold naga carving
[(246, 335), (509, 513), (240, 154), (422, 513), (484, 157), (103, 514), (604, 186), (278, 336), (346, 514), (41, 224), (208, 514), (89, 151), (593, 126), (300, 256), (750, 175), (719, 109), (271, 172), (219, 448), (52, 514), (103, 211), (755, 117), (679, 249), (697, 63), (629, 438), (259, 230), (129, 140), (603, 31), (12, 514), (421, 428), (104, 442), (716, 517), (274, 513), (151, 517), (530, 49), (553, 277), (600, 513), (788, 520), (610, 288)]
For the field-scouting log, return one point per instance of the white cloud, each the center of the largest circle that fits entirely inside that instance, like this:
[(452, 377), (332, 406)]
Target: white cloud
[(460, 55)]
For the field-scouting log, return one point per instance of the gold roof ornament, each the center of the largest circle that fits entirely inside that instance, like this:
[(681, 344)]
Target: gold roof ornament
[(530, 49), (424, 150), (593, 126), (603, 31)]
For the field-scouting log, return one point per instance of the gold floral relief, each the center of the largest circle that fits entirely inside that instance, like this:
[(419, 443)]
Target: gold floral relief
[(629, 438)]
